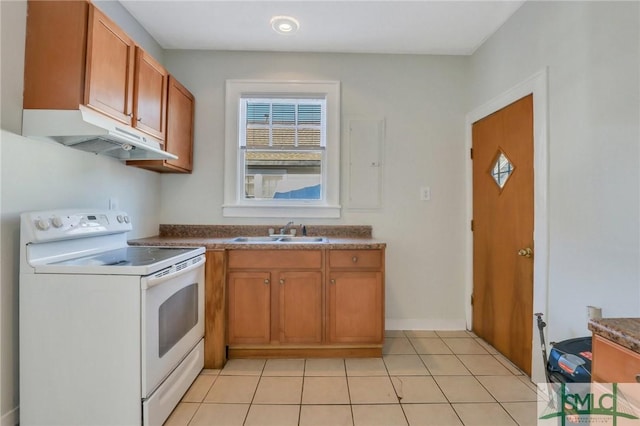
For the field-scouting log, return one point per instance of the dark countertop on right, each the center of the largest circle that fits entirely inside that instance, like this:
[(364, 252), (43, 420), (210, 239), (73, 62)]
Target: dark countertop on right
[(623, 331)]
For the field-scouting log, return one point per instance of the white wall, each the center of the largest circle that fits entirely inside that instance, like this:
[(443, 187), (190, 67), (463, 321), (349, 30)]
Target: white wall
[(592, 51), (119, 14), (422, 99), (45, 175)]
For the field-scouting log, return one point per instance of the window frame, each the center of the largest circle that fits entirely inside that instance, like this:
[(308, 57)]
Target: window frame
[(235, 204)]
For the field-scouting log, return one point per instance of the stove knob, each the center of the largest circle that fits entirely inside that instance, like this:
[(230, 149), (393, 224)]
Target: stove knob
[(126, 219), (42, 224), (57, 222), (119, 218)]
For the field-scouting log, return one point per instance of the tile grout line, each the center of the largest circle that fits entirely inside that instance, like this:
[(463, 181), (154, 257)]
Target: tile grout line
[(435, 382), (511, 373)]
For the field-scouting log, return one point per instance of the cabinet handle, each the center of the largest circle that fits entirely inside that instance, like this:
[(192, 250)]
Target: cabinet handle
[(638, 378), (281, 280), (354, 259), (266, 282), (332, 281)]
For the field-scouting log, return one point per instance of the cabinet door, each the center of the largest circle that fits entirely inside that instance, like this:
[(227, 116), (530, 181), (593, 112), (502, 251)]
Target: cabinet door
[(249, 306), (55, 54), (109, 74), (613, 363), (300, 307), (150, 95), (180, 113), (355, 306)]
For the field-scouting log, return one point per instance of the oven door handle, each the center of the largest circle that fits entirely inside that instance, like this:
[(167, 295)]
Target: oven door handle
[(153, 280)]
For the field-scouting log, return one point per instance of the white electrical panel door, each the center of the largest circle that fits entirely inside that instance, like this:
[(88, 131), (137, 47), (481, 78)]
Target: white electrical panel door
[(365, 137)]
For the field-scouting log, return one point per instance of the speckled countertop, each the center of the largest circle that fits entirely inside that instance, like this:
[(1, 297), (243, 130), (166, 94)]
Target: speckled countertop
[(623, 331), (219, 237)]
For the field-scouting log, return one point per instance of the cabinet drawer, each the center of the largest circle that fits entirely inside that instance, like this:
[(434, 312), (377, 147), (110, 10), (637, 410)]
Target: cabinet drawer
[(613, 363), (274, 259), (355, 259)]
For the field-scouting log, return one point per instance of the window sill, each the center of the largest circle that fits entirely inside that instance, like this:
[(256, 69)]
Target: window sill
[(297, 211)]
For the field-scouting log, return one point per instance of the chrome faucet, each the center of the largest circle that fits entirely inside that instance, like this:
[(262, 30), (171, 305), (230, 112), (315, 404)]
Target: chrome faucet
[(286, 228)]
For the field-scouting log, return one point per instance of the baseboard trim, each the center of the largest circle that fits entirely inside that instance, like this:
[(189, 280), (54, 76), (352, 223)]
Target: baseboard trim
[(310, 352), (424, 324), (11, 418)]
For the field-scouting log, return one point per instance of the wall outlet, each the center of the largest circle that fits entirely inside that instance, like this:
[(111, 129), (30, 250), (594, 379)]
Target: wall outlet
[(114, 204), (425, 193)]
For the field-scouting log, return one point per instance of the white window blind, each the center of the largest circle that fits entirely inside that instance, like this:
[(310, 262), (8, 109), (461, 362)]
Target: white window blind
[(283, 123)]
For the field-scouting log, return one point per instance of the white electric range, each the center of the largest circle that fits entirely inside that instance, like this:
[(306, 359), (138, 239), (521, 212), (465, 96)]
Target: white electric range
[(110, 334)]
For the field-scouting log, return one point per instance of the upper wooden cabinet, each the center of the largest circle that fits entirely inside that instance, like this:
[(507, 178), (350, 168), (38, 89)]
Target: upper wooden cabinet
[(55, 54), (150, 95), (179, 135), (110, 68), (75, 55)]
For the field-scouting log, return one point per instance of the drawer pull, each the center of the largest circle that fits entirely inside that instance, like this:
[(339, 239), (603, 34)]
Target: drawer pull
[(281, 280), (266, 282), (354, 259), (332, 281)]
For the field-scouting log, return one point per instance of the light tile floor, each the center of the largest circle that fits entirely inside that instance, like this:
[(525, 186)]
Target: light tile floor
[(437, 378)]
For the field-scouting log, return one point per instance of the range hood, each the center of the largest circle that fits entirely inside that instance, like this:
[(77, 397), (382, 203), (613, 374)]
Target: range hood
[(91, 131)]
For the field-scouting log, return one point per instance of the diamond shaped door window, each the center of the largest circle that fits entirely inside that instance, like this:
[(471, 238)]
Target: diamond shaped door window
[(501, 170)]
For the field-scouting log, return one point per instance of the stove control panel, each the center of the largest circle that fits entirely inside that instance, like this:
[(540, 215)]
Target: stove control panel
[(68, 224)]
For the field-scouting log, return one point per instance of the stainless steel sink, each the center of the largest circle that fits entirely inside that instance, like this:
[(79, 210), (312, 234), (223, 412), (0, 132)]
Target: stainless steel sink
[(280, 239), (255, 239), (302, 240)]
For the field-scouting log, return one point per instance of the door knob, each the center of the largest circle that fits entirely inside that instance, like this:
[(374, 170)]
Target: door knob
[(526, 252)]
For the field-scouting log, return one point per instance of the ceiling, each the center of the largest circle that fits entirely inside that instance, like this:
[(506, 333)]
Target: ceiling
[(362, 26)]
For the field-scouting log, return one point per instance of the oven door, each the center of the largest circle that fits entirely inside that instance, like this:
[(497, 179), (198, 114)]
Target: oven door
[(172, 319)]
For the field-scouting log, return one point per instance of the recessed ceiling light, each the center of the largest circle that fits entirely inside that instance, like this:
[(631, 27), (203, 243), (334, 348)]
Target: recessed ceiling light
[(285, 24)]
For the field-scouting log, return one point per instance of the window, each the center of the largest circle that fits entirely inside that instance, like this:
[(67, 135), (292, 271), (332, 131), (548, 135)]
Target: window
[(282, 144), (282, 149)]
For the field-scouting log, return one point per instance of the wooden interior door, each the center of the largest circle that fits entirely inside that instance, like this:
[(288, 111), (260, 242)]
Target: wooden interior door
[(503, 230)]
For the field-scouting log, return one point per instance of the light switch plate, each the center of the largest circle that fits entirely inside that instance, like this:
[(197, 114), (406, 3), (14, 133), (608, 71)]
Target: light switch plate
[(425, 193)]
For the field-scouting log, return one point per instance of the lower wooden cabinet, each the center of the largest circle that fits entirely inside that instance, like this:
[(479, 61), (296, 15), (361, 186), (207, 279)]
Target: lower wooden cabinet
[(305, 303), (355, 295), (355, 301), (295, 317), (281, 304), (613, 363), (215, 310), (249, 307), (299, 308)]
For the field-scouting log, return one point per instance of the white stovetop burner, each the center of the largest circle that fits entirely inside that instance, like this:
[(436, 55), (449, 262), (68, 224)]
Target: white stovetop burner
[(90, 242)]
